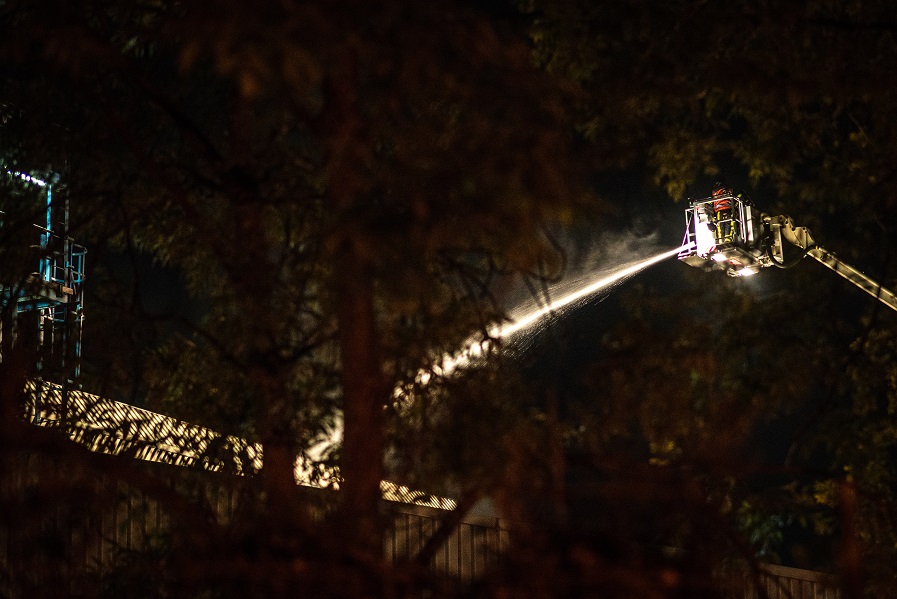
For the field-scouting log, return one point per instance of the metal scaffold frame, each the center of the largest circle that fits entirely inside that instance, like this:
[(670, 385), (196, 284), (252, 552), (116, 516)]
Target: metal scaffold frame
[(47, 304)]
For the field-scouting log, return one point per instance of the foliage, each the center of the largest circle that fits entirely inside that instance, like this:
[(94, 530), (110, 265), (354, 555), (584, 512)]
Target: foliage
[(335, 184), (343, 188), (788, 101)]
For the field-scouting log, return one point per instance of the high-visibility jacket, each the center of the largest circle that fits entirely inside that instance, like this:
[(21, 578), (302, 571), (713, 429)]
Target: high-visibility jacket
[(722, 204)]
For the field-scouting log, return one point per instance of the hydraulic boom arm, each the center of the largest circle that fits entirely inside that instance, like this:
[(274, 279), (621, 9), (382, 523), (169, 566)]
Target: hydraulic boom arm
[(800, 237)]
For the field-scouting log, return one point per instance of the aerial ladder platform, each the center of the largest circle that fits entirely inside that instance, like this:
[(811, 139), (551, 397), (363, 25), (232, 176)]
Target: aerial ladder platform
[(725, 232)]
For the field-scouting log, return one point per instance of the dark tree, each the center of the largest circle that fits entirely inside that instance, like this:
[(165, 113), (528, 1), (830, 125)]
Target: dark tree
[(343, 189), (335, 183), (793, 104)]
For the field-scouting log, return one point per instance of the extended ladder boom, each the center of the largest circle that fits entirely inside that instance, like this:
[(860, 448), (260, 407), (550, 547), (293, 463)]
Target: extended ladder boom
[(800, 237), (882, 294)]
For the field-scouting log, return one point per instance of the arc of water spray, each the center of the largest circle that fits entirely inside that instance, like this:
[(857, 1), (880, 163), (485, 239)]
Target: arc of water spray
[(474, 349), (502, 331)]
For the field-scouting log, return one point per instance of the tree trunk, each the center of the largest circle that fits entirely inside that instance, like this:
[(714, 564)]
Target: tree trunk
[(363, 396)]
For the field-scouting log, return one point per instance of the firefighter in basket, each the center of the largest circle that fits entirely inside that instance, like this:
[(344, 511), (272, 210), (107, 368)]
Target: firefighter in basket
[(723, 215)]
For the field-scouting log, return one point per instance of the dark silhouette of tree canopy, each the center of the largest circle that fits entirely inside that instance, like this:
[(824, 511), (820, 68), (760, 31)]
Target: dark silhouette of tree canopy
[(344, 187), (336, 183), (793, 102)]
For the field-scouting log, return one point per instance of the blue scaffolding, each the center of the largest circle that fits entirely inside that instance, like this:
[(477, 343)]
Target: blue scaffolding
[(48, 303)]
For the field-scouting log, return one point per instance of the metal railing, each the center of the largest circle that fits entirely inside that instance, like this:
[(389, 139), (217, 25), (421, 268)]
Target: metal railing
[(473, 548), (782, 582)]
